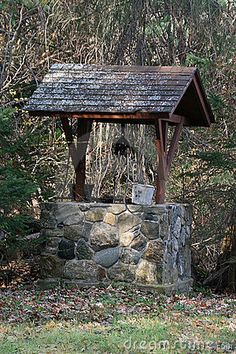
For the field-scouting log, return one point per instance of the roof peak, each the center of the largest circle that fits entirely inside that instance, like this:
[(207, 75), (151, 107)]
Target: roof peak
[(131, 68)]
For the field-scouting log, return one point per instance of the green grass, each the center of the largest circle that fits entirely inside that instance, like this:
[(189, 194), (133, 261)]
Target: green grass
[(167, 333), (115, 320)]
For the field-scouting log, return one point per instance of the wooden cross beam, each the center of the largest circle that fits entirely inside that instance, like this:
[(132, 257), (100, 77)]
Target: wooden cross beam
[(165, 155)]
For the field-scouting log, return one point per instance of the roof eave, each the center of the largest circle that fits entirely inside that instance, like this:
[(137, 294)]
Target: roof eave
[(208, 114), (100, 115), (185, 89), (204, 96)]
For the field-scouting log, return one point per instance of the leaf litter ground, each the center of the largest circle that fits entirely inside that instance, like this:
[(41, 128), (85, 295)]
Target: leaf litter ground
[(119, 309)]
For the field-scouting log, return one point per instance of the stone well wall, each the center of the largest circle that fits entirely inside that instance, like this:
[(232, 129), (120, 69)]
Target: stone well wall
[(90, 243)]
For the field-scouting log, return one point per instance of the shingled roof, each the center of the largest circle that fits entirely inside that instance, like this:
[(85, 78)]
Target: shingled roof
[(91, 90)]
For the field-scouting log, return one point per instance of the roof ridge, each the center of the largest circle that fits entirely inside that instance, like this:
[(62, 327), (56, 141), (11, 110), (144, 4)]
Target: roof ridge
[(138, 68)]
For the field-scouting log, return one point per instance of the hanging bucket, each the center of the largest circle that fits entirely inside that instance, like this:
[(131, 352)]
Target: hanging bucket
[(142, 194)]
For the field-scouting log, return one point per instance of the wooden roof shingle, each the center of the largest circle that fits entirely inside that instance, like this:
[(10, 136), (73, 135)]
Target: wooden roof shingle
[(78, 89)]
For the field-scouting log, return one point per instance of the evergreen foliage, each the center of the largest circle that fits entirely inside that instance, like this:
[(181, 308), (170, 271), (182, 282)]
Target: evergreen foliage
[(17, 186)]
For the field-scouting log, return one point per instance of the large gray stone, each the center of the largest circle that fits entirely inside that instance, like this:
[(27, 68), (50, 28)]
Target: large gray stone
[(48, 220), (175, 245), (187, 233), (122, 272), (116, 209), (173, 213), (149, 216), (110, 219), (137, 209), (184, 263), (84, 206), (155, 209), (83, 251), (182, 238), (95, 214), (68, 214), (130, 256), (139, 242), (181, 266), (150, 229), (107, 257), (126, 238), (154, 251), (127, 222), (164, 227), (51, 266), (170, 270), (146, 272), (66, 249), (84, 270), (103, 236), (75, 232), (176, 227)]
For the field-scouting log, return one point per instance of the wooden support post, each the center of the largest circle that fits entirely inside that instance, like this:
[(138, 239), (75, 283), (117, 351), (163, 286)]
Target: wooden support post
[(165, 156), (78, 152), (83, 133), (161, 145)]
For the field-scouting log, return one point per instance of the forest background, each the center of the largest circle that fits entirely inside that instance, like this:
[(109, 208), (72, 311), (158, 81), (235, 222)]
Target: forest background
[(34, 163)]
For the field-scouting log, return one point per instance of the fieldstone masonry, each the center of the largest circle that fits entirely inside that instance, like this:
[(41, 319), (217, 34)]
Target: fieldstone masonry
[(90, 243)]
